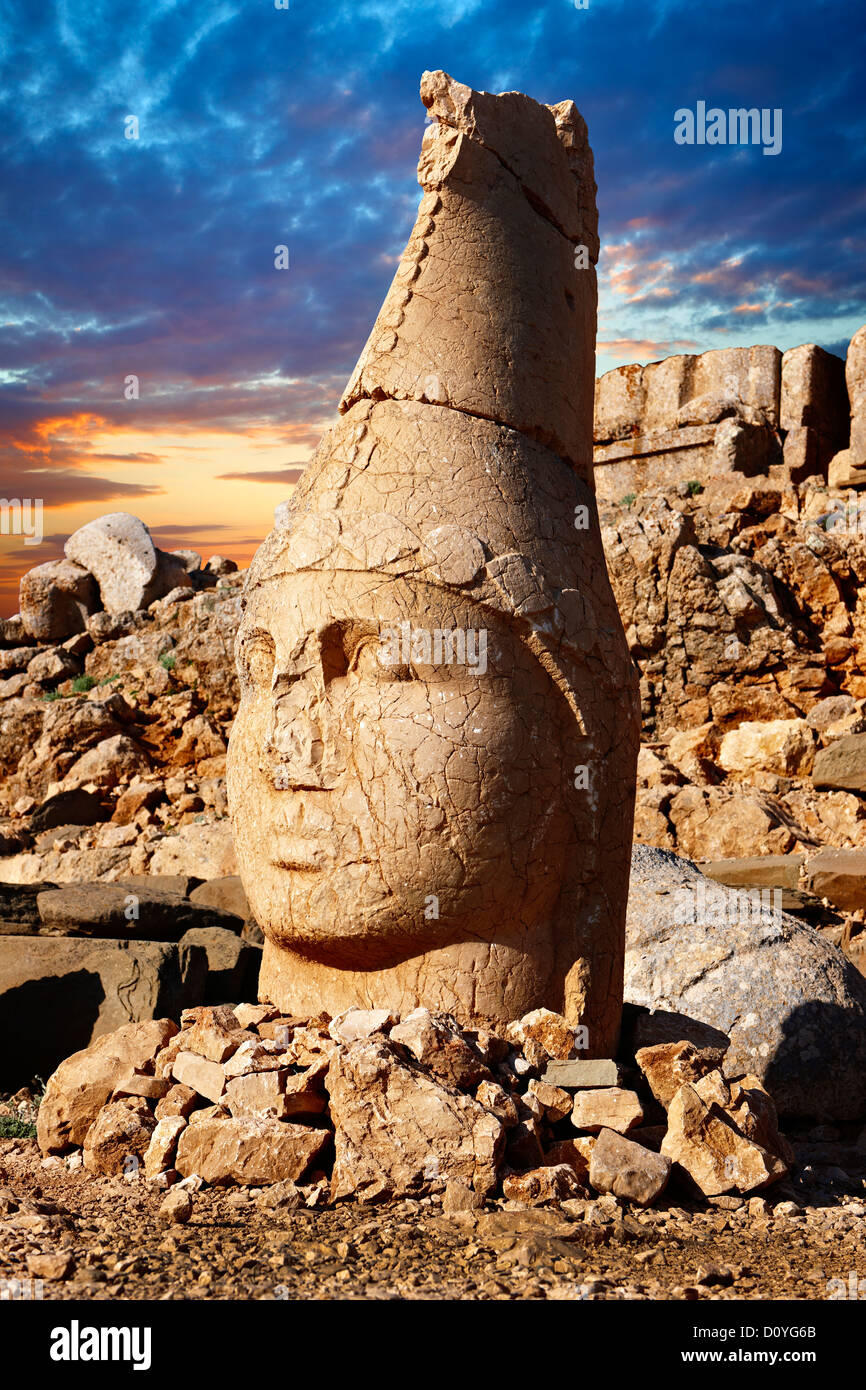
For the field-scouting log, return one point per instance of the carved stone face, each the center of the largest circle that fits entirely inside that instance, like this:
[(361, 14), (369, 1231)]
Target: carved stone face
[(386, 805)]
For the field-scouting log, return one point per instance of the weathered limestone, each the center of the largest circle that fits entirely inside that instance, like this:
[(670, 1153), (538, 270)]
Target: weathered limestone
[(685, 418), (250, 1149), (385, 780), (56, 600), (84, 1083), (398, 1130), (813, 409), (131, 572), (627, 1169), (848, 467), (606, 1108)]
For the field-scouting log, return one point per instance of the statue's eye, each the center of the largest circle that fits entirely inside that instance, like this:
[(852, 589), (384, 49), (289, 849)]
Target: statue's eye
[(258, 655), (378, 658)]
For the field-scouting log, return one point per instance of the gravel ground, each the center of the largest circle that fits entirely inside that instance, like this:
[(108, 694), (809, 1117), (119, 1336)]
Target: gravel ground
[(102, 1238)]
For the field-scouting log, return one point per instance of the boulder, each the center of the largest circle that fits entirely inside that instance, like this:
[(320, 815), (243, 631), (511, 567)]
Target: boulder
[(119, 911), (582, 1074), (56, 600), (399, 1131), (839, 875), (131, 573), (552, 1183), (627, 1169), (842, 765), (119, 1137), (705, 1143), (84, 1082), (58, 995), (668, 1066), (200, 850), (252, 1150), (435, 1042), (793, 1007), (159, 1157), (606, 1108), (785, 746), (232, 964)]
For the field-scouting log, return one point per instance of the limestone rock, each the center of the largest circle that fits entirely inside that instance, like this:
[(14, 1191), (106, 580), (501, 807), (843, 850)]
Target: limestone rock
[(842, 764), (176, 1208), (398, 1131), (668, 1066), (118, 551), (553, 1183), (56, 599), (786, 746), (702, 1141), (207, 1078), (178, 1100), (627, 1170), (119, 1137), (606, 1108), (435, 1042), (840, 876), (250, 1150), (549, 1031), (83, 1083), (360, 1023), (582, 1073), (116, 910), (793, 1007), (202, 851), (159, 1157)]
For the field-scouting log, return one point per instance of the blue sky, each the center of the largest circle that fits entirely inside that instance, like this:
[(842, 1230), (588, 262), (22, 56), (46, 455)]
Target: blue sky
[(261, 126)]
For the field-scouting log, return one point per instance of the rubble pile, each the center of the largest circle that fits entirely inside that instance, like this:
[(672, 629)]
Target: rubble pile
[(369, 1107)]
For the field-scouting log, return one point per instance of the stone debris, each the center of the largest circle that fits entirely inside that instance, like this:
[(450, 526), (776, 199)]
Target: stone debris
[(607, 1107), (627, 1169), (401, 1112)]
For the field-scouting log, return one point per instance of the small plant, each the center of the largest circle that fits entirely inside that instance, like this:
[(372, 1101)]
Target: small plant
[(13, 1128), (52, 695), (109, 680), (82, 684), (167, 661), (629, 498), (694, 487)]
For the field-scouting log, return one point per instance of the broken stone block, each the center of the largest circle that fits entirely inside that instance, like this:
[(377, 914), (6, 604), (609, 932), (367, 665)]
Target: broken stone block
[(118, 551), (360, 1023), (203, 1076), (435, 1042), (159, 1157), (841, 766), (706, 1145), (398, 1131), (785, 746), (627, 1170), (575, 1152), (58, 994), (553, 1183), (214, 1033), (251, 1150), (494, 1097), (83, 1083), (56, 600), (115, 910), (141, 1085), (670, 1065), (548, 1030), (232, 964), (606, 1108), (555, 1103), (839, 875), (582, 1074), (119, 1137), (178, 1100)]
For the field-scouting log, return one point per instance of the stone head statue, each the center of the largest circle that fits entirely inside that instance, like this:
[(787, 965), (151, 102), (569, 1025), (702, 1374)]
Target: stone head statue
[(431, 774)]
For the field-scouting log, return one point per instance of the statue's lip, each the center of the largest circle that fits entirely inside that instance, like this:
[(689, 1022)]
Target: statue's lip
[(296, 852)]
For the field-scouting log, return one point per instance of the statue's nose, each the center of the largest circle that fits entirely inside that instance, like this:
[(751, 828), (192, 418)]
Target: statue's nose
[(301, 737)]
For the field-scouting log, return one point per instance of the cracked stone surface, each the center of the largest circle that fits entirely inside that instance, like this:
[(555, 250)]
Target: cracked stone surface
[(431, 775)]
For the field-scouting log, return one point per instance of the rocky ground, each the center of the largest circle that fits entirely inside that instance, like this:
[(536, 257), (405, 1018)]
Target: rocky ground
[(103, 1238)]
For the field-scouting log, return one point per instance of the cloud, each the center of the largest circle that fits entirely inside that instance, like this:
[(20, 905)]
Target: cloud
[(266, 475)]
